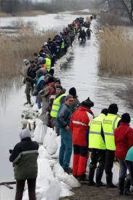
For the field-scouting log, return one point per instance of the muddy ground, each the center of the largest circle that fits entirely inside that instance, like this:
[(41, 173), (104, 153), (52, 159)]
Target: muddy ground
[(86, 192)]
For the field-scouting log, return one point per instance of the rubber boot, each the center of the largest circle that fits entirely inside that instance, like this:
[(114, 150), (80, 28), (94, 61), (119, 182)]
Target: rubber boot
[(75, 164), (121, 185)]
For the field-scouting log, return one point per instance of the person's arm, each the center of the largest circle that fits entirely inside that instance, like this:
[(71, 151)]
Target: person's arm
[(62, 117), (102, 134), (15, 154)]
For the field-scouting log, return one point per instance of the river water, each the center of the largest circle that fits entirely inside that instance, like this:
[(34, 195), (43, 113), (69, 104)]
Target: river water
[(81, 72)]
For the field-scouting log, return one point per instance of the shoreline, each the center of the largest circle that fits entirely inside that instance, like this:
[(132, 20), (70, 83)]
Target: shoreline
[(24, 13)]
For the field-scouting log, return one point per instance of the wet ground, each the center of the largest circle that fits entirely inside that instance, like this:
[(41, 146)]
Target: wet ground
[(93, 193)]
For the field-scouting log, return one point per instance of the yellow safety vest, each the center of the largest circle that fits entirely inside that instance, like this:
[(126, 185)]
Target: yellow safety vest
[(56, 106), (95, 138), (109, 124), (48, 64), (62, 45)]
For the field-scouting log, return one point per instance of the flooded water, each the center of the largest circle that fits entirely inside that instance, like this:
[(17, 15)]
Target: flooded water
[(81, 72)]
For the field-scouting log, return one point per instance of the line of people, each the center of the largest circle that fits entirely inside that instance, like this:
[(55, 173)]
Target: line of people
[(106, 136), (100, 139), (50, 95)]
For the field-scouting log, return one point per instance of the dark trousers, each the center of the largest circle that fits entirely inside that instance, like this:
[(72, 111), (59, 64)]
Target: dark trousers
[(28, 90), (97, 156), (20, 189), (130, 168), (109, 159)]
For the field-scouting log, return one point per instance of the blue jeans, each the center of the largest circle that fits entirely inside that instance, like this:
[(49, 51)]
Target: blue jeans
[(66, 148)]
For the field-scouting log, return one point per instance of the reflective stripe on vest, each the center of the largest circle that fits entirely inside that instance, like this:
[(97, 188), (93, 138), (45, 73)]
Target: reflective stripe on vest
[(56, 106), (48, 64), (110, 122), (95, 138), (79, 123)]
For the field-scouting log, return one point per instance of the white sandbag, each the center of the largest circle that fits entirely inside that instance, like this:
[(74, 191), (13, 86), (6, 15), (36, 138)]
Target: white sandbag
[(62, 176), (47, 137), (40, 131), (65, 190), (45, 174), (53, 193), (56, 155), (43, 153), (50, 142), (115, 174)]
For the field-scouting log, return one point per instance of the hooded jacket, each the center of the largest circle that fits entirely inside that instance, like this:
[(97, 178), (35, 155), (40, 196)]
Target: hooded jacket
[(80, 125), (24, 157), (123, 140)]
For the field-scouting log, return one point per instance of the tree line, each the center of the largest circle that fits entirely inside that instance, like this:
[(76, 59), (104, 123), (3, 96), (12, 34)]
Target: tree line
[(13, 6)]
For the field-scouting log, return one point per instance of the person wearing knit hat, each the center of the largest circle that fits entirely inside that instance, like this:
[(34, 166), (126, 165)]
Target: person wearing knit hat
[(79, 125), (72, 91), (24, 158)]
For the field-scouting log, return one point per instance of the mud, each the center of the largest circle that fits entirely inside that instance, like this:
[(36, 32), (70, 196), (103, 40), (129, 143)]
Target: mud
[(86, 192)]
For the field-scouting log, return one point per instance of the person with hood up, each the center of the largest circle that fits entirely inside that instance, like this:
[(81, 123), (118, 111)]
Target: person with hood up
[(79, 125), (24, 158), (123, 141)]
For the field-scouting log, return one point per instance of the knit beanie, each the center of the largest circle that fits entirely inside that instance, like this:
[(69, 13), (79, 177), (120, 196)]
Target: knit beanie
[(126, 118), (73, 92), (87, 103), (25, 133)]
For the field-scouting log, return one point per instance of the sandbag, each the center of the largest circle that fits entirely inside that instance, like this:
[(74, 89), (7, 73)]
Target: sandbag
[(50, 142), (40, 131)]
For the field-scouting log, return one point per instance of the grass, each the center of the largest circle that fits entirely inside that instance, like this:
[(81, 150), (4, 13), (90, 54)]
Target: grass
[(14, 49), (116, 51)]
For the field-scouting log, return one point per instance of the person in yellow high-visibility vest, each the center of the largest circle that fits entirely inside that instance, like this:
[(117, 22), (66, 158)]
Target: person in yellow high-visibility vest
[(58, 101), (110, 122), (47, 64), (97, 146)]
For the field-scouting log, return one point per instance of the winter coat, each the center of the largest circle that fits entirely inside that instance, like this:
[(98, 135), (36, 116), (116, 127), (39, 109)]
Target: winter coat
[(123, 140), (24, 158), (63, 117), (129, 156), (80, 125)]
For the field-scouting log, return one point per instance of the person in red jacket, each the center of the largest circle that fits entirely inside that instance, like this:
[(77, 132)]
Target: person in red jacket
[(123, 140), (80, 127)]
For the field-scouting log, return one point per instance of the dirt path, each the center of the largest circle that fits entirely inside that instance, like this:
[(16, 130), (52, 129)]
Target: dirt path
[(93, 193)]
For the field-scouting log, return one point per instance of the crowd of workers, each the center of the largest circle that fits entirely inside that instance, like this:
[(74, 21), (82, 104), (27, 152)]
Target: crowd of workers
[(100, 138)]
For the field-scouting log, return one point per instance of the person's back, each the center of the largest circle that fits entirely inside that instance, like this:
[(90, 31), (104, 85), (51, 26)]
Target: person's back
[(123, 139), (24, 158)]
